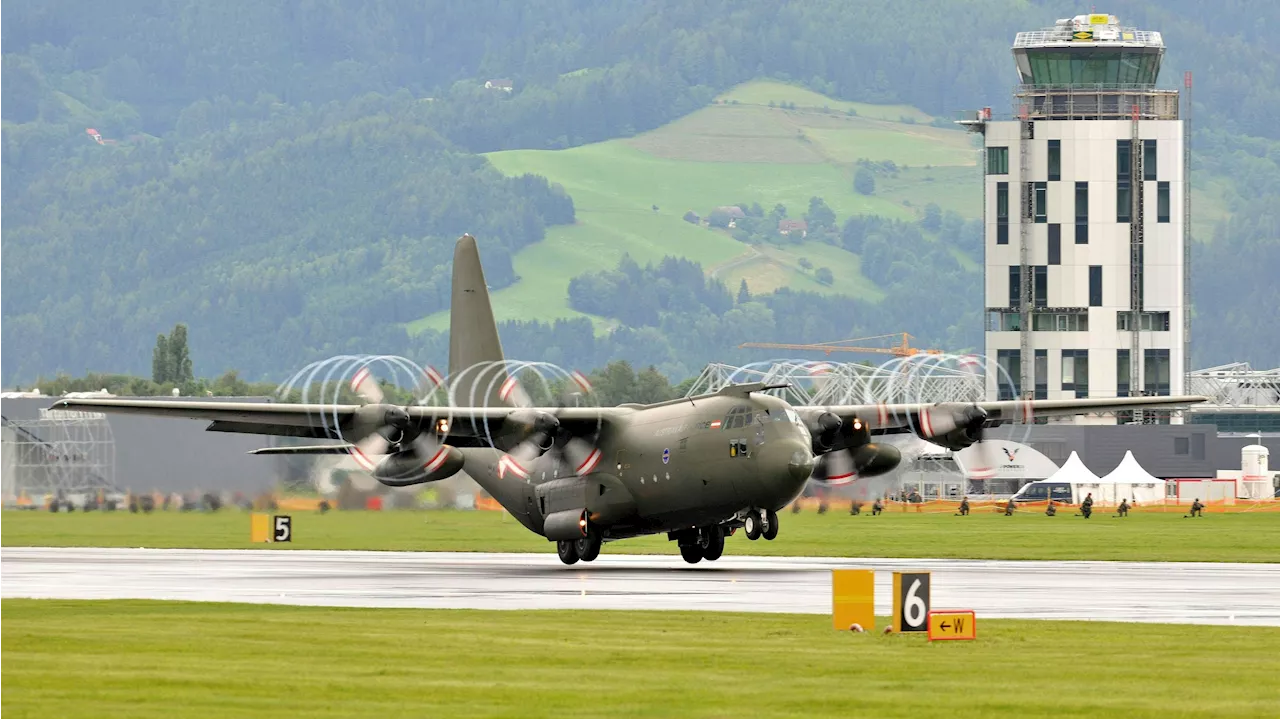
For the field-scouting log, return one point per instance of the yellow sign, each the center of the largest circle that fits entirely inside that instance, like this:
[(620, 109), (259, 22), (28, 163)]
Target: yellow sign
[(853, 599), (1082, 35), (259, 527), (267, 528), (1099, 19), (953, 624)]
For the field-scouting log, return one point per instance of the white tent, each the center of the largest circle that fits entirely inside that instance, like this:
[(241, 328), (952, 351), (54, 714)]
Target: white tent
[(1063, 485), (1130, 480), (1073, 471), (1073, 482)]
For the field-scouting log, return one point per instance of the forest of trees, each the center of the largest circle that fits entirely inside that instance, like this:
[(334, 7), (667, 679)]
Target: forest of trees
[(287, 178)]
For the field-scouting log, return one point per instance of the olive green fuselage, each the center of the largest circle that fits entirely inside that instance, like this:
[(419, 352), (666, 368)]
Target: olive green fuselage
[(667, 467)]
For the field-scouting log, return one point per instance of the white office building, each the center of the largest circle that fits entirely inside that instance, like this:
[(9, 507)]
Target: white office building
[(1086, 219)]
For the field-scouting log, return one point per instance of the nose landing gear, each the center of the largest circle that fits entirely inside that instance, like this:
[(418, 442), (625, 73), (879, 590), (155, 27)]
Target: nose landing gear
[(759, 524)]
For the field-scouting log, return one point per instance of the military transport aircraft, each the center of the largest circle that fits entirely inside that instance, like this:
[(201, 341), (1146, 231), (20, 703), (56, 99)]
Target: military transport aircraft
[(697, 468)]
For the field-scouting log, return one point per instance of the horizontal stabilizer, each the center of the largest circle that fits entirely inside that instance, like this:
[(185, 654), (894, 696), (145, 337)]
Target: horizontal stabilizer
[(310, 449)]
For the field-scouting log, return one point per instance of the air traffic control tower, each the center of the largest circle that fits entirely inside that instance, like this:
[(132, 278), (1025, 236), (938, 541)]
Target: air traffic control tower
[(1085, 219)]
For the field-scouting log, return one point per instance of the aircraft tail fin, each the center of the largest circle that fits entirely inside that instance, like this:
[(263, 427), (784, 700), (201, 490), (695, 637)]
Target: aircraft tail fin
[(473, 334)]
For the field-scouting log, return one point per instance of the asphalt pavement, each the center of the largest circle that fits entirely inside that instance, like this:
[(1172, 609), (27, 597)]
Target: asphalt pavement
[(1201, 593)]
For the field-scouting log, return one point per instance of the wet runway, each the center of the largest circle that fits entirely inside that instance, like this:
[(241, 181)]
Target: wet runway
[(1117, 591)]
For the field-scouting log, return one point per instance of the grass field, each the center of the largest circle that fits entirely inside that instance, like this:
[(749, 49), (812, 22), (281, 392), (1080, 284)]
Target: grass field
[(764, 92), (1141, 537), (725, 154), (173, 660)]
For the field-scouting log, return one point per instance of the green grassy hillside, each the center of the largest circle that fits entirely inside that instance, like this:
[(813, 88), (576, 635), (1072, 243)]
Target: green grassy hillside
[(737, 150)]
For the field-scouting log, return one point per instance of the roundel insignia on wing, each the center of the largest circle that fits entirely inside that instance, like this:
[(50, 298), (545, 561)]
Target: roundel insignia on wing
[(666, 455)]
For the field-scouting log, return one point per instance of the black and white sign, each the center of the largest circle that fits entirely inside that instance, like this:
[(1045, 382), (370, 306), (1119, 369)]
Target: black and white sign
[(911, 601), (283, 528)]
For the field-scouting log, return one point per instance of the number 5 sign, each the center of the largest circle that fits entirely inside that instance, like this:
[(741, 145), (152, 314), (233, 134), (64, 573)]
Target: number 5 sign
[(910, 601)]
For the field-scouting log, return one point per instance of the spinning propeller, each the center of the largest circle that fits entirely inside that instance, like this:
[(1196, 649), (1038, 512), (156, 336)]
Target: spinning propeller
[(543, 432), (392, 445)]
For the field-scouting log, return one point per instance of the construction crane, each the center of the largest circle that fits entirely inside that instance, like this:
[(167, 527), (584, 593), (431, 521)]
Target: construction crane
[(902, 349)]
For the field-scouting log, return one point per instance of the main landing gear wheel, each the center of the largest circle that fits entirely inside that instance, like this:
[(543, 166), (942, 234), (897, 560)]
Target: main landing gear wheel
[(588, 548), (568, 551), (770, 525), (692, 553), (751, 525), (714, 545)]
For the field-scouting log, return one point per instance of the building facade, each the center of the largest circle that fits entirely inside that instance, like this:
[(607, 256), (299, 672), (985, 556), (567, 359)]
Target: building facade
[(1085, 220)]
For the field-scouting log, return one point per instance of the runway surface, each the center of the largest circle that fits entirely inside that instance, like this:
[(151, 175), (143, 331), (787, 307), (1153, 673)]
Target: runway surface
[(1116, 591)]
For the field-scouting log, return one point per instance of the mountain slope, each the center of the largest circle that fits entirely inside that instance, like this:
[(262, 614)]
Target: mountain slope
[(739, 150)]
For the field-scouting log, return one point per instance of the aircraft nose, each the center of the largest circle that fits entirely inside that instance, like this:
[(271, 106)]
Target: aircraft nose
[(796, 455)]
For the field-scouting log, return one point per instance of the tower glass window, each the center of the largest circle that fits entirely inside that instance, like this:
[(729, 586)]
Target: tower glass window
[(1155, 372), (1009, 376), (1082, 213), (1055, 244), (1015, 286), (1053, 66), (1122, 373), (1124, 201), (1095, 286), (1041, 285), (1148, 159), (1075, 372), (1123, 151), (1162, 202), (1042, 374), (1002, 213), (1042, 201), (997, 160), (1055, 160)]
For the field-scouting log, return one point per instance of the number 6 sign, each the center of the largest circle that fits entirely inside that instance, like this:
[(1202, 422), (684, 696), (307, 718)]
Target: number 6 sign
[(910, 601)]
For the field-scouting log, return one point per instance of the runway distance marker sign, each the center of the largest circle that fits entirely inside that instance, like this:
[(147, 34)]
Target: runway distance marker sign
[(910, 601), (853, 594), (952, 624), (268, 528)]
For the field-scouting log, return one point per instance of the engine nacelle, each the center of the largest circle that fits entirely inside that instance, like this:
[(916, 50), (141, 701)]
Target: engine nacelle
[(407, 468), (951, 425), (567, 524), (830, 433), (873, 460), (523, 424)]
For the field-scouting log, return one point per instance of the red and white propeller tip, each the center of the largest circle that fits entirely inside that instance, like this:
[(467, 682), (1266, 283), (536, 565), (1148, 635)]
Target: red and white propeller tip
[(366, 386)]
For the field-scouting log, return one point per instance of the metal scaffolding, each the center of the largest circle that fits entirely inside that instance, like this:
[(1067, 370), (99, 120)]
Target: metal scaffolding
[(61, 453), (1236, 385), (922, 378)]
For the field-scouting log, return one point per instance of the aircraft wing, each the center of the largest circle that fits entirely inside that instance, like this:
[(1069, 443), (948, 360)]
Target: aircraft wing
[(939, 419), (468, 426)]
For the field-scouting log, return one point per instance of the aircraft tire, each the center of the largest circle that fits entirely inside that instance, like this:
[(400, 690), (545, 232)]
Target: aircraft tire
[(568, 551), (588, 548), (770, 525), (715, 544), (751, 525), (691, 553)]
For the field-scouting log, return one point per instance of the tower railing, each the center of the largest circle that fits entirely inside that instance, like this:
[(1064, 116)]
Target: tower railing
[(1094, 102)]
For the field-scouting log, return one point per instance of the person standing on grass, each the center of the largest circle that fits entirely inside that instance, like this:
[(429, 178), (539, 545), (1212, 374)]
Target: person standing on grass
[(1124, 508), (1086, 507)]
